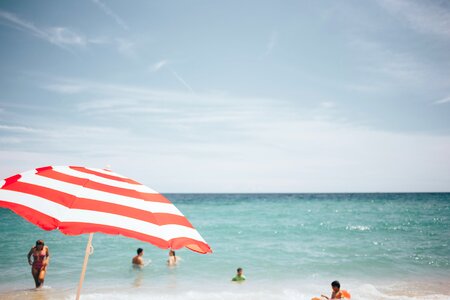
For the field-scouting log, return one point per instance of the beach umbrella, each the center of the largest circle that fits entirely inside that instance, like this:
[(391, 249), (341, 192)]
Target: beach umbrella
[(77, 200)]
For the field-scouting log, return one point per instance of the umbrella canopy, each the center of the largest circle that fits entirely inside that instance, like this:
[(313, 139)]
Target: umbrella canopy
[(79, 200)]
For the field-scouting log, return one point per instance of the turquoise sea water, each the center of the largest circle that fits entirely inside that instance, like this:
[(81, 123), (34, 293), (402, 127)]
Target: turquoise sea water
[(291, 246)]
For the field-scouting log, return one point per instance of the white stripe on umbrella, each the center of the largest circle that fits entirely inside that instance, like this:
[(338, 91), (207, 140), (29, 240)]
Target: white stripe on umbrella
[(84, 192), (137, 187), (106, 172)]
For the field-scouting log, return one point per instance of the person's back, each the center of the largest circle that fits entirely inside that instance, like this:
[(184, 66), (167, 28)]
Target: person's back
[(137, 261)]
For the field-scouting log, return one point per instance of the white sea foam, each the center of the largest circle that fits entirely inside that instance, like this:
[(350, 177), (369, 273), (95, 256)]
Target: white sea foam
[(358, 227), (366, 291)]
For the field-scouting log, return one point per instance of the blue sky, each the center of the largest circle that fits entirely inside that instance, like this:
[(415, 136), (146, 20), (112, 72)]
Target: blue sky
[(230, 96)]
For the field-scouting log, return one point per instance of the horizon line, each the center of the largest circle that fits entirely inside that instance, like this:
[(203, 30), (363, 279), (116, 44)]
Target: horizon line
[(317, 193)]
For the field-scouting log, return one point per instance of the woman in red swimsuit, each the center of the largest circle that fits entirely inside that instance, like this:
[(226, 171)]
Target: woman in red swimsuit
[(41, 257)]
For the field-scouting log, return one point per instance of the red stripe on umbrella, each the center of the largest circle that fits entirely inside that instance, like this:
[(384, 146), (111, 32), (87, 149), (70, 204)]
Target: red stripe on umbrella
[(108, 176), (71, 201), (127, 192)]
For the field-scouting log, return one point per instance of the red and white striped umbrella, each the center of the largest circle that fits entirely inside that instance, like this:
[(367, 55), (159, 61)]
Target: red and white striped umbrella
[(79, 200)]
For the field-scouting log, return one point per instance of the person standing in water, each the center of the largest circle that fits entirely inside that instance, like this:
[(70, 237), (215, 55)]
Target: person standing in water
[(41, 258), (239, 275), (137, 261), (173, 259)]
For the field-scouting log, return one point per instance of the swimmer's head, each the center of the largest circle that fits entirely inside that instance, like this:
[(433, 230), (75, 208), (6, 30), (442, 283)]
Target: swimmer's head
[(335, 285), (171, 253), (39, 243), (239, 271), (140, 250)]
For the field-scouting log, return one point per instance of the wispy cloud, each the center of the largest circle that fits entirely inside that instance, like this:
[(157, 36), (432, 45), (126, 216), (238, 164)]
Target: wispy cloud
[(107, 104), (391, 66), (10, 140), (423, 16), (157, 66), (209, 132), (106, 99), (58, 36), (23, 129), (107, 10), (66, 38), (273, 39), (443, 100), (327, 104), (48, 132), (61, 35), (64, 88)]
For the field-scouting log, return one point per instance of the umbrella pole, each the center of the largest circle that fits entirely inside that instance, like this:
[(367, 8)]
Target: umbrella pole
[(83, 271)]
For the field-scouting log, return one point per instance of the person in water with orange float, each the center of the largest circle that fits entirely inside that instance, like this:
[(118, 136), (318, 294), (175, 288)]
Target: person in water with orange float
[(41, 258), (336, 293)]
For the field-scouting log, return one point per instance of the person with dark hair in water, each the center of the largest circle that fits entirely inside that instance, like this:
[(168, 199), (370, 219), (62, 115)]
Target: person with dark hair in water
[(336, 294), (41, 258), (173, 259), (137, 261), (239, 275)]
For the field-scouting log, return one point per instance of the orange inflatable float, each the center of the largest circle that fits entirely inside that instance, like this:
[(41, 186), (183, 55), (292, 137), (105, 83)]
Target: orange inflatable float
[(346, 294)]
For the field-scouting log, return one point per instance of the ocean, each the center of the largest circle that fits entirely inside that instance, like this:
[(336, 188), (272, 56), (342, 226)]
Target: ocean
[(291, 246)]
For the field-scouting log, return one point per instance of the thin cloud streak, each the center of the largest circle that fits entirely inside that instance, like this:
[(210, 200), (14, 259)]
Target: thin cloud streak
[(65, 38), (182, 81), (443, 101), (70, 132), (164, 63), (111, 13), (64, 88), (24, 129), (271, 44), (58, 36), (157, 66)]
